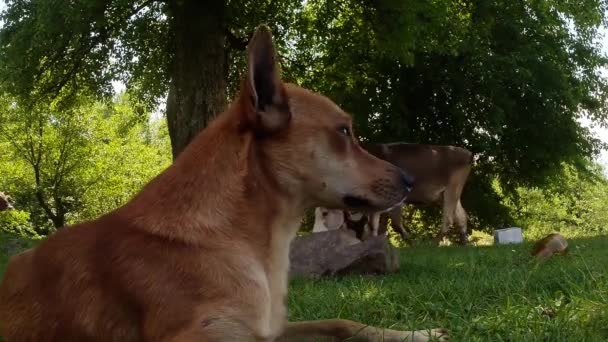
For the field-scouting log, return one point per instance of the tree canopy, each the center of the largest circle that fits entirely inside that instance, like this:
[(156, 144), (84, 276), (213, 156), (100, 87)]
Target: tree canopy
[(508, 80), (66, 166), (181, 50)]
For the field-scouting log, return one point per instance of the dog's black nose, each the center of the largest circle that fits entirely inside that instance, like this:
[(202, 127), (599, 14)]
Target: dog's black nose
[(407, 181)]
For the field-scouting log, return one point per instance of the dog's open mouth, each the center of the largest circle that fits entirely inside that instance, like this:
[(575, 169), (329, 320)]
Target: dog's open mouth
[(361, 203), (356, 202)]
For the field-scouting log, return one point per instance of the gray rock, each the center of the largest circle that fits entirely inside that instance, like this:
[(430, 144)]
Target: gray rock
[(338, 252)]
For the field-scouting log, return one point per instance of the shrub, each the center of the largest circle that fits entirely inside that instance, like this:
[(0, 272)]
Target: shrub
[(16, 222)]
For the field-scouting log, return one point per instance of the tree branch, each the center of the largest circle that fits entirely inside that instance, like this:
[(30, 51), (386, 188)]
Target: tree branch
[(235, 42), (86, 45)]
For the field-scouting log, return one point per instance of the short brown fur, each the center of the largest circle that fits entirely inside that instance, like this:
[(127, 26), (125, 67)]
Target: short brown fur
[(201, 253)]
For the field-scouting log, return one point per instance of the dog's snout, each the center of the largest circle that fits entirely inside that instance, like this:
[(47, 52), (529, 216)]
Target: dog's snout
[(407, 181)]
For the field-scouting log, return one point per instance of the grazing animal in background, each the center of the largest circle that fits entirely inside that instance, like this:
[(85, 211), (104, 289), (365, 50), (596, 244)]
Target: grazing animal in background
[(5, 202), (552, 244), (359, 223), (201, 253), (326, 219), (332, 219), (440, 174)]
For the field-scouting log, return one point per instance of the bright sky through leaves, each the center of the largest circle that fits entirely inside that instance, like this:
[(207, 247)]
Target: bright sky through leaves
[(601, 132)]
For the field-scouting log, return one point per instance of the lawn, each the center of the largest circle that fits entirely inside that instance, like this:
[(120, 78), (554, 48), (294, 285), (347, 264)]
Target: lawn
[(491, 293), (11, 244), (479, 293)]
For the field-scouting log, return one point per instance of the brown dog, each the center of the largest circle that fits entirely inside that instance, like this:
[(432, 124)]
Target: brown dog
[(202, 252)]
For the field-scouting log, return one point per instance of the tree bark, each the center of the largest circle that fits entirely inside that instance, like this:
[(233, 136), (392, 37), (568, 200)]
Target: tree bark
[(57, 219), (199, 70)]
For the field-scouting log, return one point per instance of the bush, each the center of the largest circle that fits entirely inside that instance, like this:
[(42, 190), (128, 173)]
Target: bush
[(574, 204), (16, 222)]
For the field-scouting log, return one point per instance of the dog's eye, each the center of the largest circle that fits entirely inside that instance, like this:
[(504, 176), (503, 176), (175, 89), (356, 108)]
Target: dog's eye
[(344, 130)]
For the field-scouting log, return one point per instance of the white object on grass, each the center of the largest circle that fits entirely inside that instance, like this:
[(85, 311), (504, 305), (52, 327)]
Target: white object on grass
[(508, 235)]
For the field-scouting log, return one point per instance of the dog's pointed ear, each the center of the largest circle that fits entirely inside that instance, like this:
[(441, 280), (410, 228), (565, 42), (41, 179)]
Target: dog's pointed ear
[(269, 109)]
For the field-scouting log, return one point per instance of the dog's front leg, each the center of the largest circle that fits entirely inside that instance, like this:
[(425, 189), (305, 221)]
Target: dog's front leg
[(341, 329)]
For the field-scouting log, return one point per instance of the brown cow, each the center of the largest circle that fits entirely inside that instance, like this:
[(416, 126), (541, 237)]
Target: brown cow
[(439, 172)]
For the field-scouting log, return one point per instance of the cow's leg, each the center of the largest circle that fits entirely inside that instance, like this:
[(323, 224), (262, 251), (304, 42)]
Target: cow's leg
[(452, 204), (374, 223), (341, 330), (397, 222), (383, 224), (461, 222), (449, 209)]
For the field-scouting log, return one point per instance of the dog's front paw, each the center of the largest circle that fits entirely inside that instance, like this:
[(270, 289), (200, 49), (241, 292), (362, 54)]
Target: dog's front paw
[(438, 334)]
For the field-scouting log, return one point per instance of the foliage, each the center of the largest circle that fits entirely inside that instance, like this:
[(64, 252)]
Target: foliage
[(66, 165), (134, 151), (17, 223), (122, 40), (105, 40), (308, 221), (185, 50), (507, 80), (574, 204)]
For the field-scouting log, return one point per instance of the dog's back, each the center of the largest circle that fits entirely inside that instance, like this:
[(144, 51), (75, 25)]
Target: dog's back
[(93, 281), (55, 287)]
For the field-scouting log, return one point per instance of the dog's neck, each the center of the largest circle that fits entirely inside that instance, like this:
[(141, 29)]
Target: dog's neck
[(218, 185)]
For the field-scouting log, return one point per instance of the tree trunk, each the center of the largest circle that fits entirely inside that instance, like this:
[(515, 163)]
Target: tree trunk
[(199, 70)]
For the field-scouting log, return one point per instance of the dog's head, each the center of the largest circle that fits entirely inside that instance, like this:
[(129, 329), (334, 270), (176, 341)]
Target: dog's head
[(309, 143), (5, 202)]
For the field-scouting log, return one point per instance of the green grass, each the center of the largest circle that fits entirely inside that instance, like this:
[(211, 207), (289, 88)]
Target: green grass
[(489, 293), (11, 244)]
